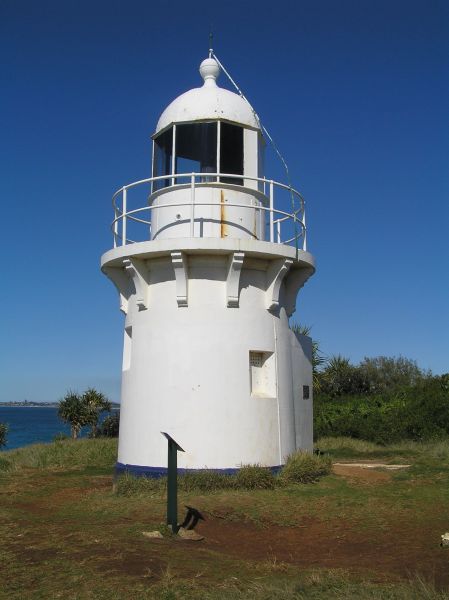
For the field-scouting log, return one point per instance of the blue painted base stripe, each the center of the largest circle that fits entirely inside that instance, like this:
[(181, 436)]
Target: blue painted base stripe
[(156, 472)]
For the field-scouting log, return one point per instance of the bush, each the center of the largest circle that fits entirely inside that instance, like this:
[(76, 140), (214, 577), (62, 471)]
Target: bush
[(419, 412), (303, 467), (255, 477), (3, 432), (60, 437), (110, 425)]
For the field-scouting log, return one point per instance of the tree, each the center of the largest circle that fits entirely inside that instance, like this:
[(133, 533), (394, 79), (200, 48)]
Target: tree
[(96, 403), (386, 374), (73, 410), (3, 432), (340, 377), (110, 425)]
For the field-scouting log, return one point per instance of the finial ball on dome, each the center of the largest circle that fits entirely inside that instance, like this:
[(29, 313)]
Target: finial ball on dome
[(209, 70)]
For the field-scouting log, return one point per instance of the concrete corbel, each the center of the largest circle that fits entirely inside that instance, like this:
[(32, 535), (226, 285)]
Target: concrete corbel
[(276, 272), (138, 272), (120, 279), (179, 263), (233, 279), (294, 282)]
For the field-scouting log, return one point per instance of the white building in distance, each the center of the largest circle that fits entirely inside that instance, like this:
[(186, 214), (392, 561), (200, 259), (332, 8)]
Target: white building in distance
[(208, 258)]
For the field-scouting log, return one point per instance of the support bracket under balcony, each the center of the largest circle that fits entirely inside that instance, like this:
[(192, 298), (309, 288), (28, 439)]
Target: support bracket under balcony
[(138, 272), (179, 263), (293, 283), (276, 272), (121, 281), (233, 279)]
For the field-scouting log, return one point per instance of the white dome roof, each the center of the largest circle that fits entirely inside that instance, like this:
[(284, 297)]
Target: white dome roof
[(208, 102)]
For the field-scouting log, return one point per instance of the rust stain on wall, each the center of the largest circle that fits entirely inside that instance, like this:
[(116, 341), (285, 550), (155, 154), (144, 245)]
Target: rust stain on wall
[(223, 229)]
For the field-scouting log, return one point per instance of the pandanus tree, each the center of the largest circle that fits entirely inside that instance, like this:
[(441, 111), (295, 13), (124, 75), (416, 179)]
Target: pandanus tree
[(82, 410), (73, 410), (96, 403)]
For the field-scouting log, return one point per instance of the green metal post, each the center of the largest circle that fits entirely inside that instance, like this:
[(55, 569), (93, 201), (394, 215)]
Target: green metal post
[(172, 482), (172, 486)]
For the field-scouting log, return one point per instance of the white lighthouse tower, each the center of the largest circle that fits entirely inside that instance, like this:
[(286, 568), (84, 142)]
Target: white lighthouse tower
[(208, 259)]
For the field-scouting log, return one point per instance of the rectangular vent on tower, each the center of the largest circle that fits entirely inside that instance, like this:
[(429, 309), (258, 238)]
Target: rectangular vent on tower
[(262, 374)]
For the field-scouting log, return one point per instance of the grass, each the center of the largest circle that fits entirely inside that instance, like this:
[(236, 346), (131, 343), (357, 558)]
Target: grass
[(343, 447), (301, 467), (100, 454), (311, 586), (65, 534)]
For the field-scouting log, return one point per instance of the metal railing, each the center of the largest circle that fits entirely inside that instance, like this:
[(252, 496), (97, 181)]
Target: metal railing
[(281, 226)]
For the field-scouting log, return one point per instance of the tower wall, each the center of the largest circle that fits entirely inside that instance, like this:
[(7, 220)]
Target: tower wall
[(187, 372)]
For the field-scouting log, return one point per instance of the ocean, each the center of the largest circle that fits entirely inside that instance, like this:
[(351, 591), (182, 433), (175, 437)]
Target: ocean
[(30, 425)]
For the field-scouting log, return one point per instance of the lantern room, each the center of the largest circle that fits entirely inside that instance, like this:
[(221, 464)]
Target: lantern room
[(212, 131)]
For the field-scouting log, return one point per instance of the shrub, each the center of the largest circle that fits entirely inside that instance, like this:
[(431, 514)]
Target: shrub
[(3, 432), (110, 425), (304, 467), (255, 477), (419, 412), (60, 437)]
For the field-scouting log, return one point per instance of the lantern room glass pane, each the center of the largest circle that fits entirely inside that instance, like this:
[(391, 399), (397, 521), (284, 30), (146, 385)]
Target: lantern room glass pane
[(231, 152), (196, 149), (162, 161)]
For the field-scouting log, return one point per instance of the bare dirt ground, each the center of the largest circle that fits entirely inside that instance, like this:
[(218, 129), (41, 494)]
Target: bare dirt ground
[(397, 549)]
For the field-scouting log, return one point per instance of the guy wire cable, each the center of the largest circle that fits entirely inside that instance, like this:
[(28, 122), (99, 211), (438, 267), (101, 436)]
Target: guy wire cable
[(275, 148)]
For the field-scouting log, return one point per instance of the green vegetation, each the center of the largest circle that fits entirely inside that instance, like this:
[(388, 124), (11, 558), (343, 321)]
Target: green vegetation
[(81, 410), (3, 433), (96, 403), (110, 425), (66, 534), (64, 454), (382, 400), (301, 467)]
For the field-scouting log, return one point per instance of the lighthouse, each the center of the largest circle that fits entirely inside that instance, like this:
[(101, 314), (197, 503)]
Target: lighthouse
[(208, 257)]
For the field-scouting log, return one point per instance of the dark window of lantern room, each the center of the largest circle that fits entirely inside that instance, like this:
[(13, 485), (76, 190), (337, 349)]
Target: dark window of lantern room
[(231, 153), (196, 148), (163, 147)]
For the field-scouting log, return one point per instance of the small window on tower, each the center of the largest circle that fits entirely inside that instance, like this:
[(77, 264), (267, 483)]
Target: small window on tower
[(262, 374), (231, 152)]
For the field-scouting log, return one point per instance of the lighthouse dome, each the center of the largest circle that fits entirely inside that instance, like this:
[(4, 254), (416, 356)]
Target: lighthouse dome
[(208, 102)]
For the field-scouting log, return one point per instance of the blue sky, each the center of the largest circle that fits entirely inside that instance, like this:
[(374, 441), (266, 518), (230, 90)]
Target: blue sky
[(355, 94)]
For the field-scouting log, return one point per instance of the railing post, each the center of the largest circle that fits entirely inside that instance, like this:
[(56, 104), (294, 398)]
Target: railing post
[(192, 201), (304, 237), (115, 230), (271, 211), (278, 232), (124, 209)]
